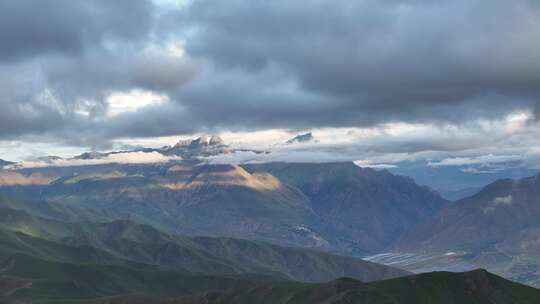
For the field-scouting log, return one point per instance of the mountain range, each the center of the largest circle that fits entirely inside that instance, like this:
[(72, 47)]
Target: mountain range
[(29, 280), (476, 286), (371, 207), (122, 242), (276, 232), (338, 207), (187, 150), (497, 227), (45, 260), (103, 263), (455, 182)]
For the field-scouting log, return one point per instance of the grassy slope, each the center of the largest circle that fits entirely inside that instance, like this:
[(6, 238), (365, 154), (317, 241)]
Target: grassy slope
[(127, 240), (476, 287), (54, 281)]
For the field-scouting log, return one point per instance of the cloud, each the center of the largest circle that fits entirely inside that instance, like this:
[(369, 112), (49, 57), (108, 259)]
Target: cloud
[(316, 156), (121, 102), (29, 28), (479, 160), (503, 200), (66, 99), (115, 158), (532, 157), (497, 202), (367, 164), (376, 61), (405, 77)]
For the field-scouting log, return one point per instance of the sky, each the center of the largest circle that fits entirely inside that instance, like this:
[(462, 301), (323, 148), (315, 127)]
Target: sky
[(377, 81)]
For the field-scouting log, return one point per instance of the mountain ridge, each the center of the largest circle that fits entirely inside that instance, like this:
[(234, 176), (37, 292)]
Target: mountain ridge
[(376, 206), (337, 207), (301, 138), (496, 227), (474, 287), (127, 242)]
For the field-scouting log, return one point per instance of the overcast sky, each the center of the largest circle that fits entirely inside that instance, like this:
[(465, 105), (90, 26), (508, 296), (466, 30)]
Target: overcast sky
[(376, 80)]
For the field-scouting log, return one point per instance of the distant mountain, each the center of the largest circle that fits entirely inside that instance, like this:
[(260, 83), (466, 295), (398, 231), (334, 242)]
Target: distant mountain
[(91, 155), (371, 207), (49, 158), (189, 150), (203, 141), (204, 146), (456, 195), (497, 227), (449, 179), (307, 137), (513, 205), (200, 146)]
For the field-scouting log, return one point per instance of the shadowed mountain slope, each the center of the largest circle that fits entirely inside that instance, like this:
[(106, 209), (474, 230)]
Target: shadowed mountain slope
[(371, 207), (498, 227), (124, 242), (475, 287)]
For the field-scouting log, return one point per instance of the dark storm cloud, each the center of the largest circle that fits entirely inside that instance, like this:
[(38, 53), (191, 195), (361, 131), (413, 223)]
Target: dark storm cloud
[(99, 73), (254, 64), (42, 48), (58, 58), (382, 60), (29, 28)]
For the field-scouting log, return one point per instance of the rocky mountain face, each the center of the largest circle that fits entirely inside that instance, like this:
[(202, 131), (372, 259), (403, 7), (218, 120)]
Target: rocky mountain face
[(187, 149), (371, 207), (497, 227), (215, 200), (496, 213), (199, 147)]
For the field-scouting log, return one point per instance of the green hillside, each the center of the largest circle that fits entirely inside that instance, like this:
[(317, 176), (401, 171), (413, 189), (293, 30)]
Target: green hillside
[(475, 287), (123, 241), (54, 281)]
